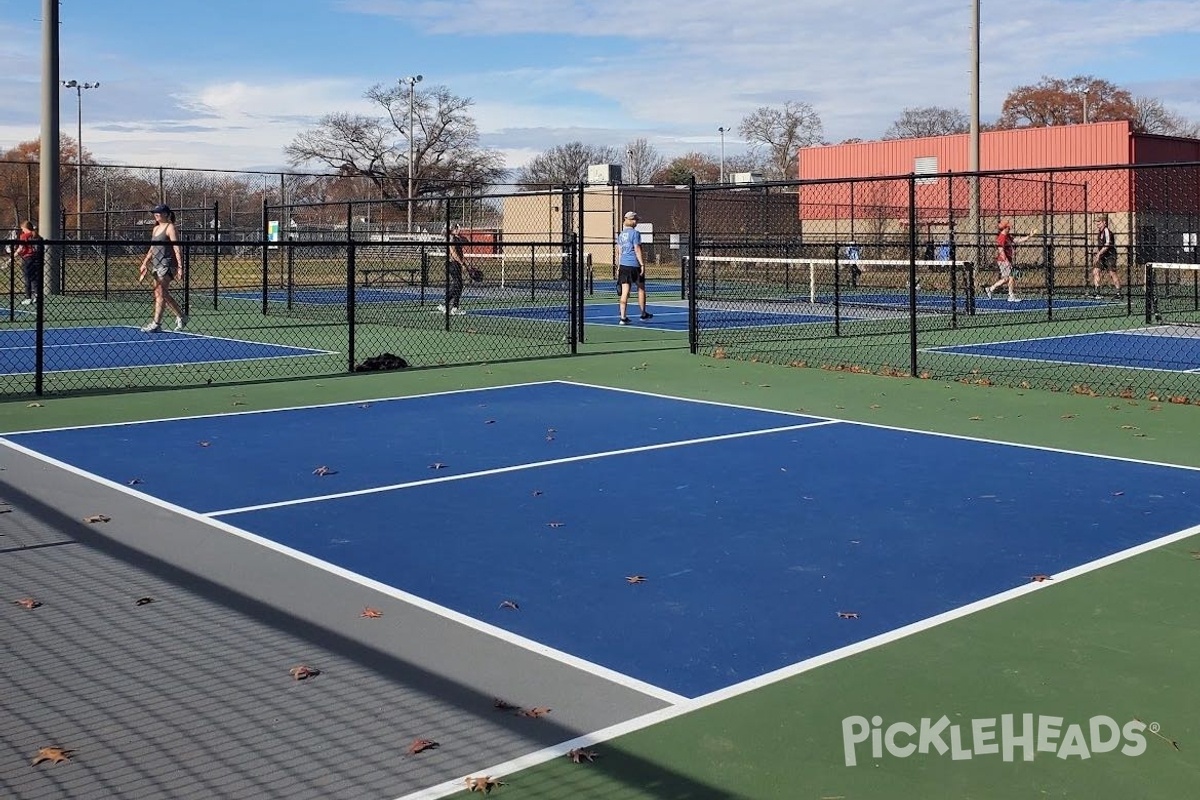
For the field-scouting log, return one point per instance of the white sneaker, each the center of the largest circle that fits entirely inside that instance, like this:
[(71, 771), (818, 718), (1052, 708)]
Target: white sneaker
[(153, 327), (1012, 298), (989, 292), (27, 301), (441, 309), (457, 312), (181, 322)]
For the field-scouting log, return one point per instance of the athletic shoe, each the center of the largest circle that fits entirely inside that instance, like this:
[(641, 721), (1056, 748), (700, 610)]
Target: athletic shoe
[(153, 327), (1012, 298), (27, 301), (647, 315), (181, 322), (441, 309), (457, 312), (624, 321), (989, 292), (1097, 296)]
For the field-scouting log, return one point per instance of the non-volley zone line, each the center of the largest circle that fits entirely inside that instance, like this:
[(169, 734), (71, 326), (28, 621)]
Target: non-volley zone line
[(517, 468)]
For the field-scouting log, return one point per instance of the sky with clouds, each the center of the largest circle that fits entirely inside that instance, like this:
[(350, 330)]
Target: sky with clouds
[(226, 85)]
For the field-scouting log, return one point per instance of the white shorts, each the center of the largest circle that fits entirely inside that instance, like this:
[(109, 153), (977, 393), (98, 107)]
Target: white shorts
[(1005, 269)]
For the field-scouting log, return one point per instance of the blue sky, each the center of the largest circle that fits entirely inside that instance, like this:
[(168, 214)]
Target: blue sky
[(226, 85)]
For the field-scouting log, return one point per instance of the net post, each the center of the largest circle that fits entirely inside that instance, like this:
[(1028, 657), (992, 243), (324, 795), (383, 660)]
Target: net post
[(216, 239), (912, 274), (1149, 281), (693, 317), (266, 277)]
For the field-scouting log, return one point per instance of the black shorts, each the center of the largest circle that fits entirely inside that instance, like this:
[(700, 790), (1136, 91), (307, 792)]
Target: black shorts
[(630, 275), (1108, 261)]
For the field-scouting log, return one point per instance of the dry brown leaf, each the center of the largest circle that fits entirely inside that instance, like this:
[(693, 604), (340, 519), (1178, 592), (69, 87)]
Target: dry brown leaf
[(1068, 416), (483, 784), (847, 615), (303, 671), (421, 745), (27, 602), (371, 613), (1040, 578), (322, 471), (54, 755), (437, 465), (97, 518), (579, 755), (635, 579), (143, 601), (534, 713), (975, 419), (555, 524), (35, 405), (133, 481), (203, 443), (537, 492), (719, 352), (1178, 399), (510, 604)]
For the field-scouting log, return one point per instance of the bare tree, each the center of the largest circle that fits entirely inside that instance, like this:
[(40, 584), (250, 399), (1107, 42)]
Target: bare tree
[(564, 164), (915, 123), (1154, 117), (642, 160), (782, 131), (445, 143)]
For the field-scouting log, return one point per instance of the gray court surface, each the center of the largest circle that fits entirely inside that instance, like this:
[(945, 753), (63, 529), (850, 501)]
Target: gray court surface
[(190, 696)]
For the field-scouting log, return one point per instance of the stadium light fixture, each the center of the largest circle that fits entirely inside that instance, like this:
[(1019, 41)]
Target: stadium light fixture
[(79, 87), (412, 81)]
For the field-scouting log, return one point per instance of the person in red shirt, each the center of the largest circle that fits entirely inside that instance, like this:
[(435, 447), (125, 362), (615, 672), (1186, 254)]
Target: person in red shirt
[(32, 256), (1005, 260)]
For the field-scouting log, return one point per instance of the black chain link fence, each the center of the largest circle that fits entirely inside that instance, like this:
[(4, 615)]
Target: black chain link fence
[(899, 276)]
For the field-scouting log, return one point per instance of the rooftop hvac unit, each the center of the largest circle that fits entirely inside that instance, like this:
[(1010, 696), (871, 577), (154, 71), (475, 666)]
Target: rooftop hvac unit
[(747, 177), (604, 173)]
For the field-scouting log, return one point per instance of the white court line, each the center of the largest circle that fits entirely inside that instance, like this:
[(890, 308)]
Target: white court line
[(689, 706), (538, 648), (515, 468)]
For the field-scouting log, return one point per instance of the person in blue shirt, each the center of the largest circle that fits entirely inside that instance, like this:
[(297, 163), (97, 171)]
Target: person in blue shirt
[(631, 267)]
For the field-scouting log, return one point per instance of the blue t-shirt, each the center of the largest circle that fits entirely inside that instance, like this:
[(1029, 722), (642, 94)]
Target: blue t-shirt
[(627, 241)]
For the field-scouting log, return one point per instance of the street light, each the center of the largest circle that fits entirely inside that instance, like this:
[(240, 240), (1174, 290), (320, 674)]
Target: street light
[(412, 81), (1083, 93), (721, 130), (79, 87)]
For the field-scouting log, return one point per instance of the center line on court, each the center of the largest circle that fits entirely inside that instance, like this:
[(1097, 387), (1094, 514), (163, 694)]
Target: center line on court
[(516, 468)]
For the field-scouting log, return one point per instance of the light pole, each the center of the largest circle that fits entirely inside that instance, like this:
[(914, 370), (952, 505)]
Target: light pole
[(412, 81), (1083, 93), (79, 87), (721, 130)]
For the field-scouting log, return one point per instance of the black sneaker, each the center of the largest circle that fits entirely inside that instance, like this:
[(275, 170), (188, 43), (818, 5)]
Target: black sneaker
[(624, 321), (647, 315)]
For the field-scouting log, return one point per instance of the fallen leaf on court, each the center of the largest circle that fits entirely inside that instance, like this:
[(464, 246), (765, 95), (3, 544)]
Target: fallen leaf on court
[(1178, 399), (1117, 494), (203, 443), (719, 352), (27, 602), (97, 518), (437, 465), (510, 604), (643, 366), (489, 422), (303, 671), (371, 613), (847, 615), (555, 524), (133, 482), (143, 601), (537, 492), (974, 419), (238, 403), (1155, 729), (35, 405), (1129, 427), (635, 579), (534, 713), (54, 755), (322, 471), (579, 755), (364, 405), (549, 437), (503, 705), (1068, 416), (875, 405), (1040, 578), (483, 784), (421, 745)]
